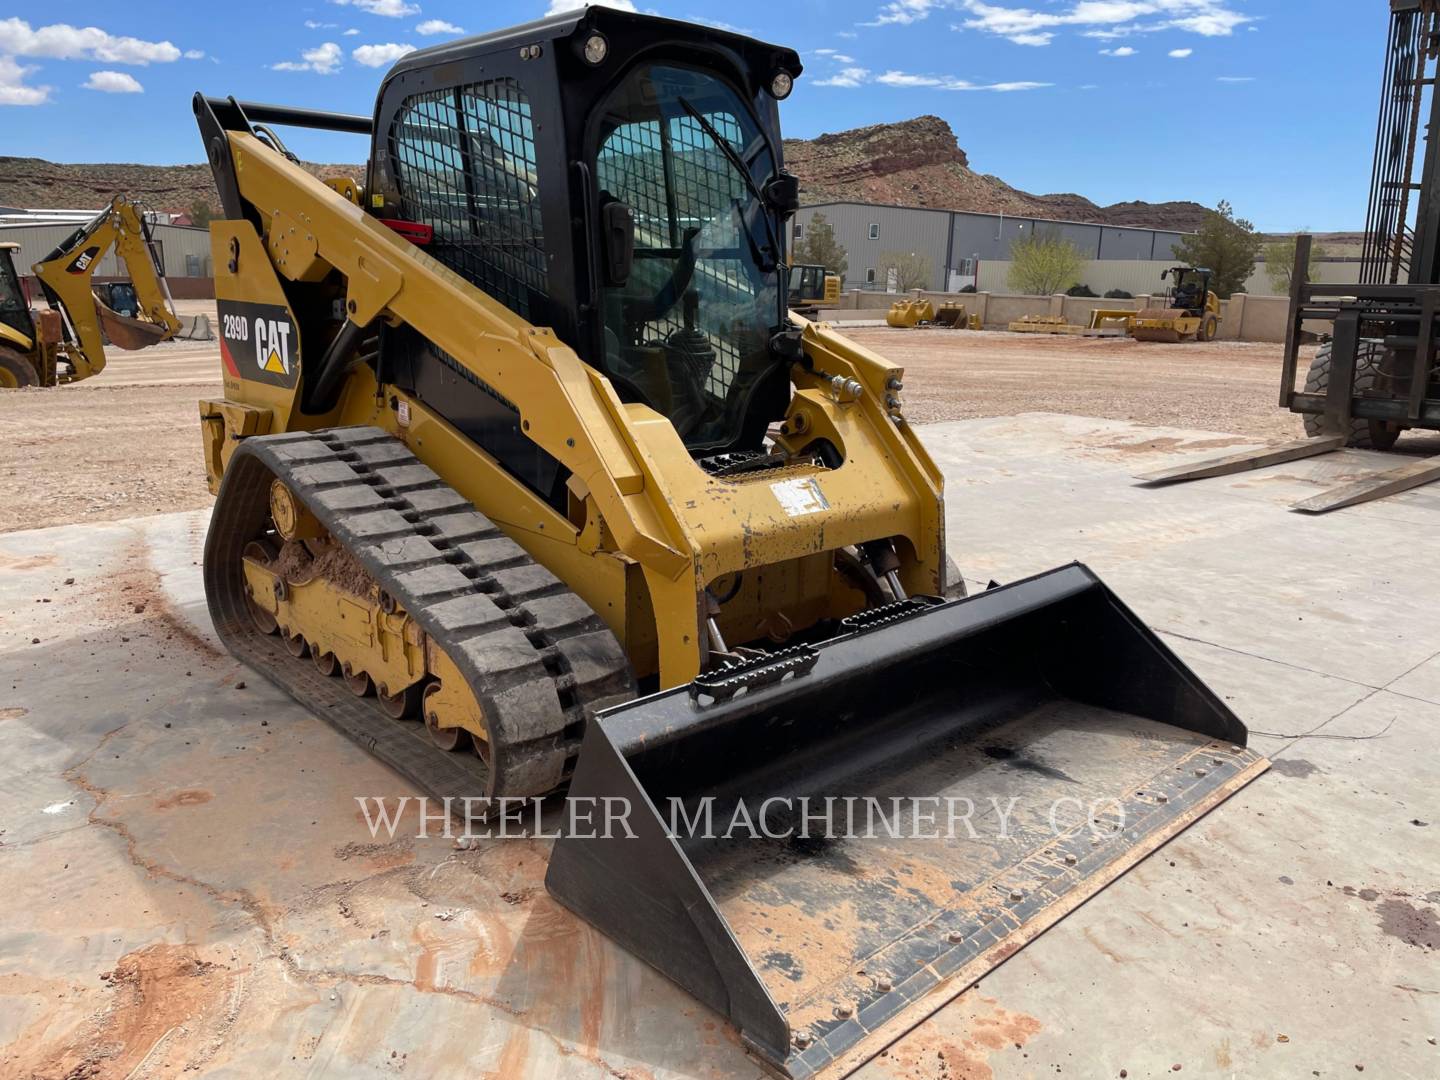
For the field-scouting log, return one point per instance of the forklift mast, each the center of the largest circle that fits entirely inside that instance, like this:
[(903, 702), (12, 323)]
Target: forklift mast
[(1402, 225)]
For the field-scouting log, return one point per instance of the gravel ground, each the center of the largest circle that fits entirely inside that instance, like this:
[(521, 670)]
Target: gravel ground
[(119, 445), (127, 442)]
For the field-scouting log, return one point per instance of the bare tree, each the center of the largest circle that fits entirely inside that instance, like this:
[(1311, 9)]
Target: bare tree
[(911, 271)]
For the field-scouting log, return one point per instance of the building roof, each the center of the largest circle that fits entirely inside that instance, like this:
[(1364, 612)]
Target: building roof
[(988, 213)]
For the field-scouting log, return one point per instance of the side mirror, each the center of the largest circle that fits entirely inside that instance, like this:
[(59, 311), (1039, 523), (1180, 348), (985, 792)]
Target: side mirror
[(617, 241), (782, 193)]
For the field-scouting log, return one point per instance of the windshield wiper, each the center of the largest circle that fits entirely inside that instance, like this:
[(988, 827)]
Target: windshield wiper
[(739, 166)]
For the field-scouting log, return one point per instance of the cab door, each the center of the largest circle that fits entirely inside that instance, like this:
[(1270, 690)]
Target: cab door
[(14, 307)]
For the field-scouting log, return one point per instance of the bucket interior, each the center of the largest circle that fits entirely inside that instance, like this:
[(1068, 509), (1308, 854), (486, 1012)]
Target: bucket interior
[(967, 776)]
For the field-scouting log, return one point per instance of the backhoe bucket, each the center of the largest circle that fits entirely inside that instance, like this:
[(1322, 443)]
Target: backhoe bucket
[(943, 783), (126, 333)]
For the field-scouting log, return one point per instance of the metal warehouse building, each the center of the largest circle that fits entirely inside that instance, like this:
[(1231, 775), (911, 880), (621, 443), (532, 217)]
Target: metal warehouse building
[(953, 241), (184, 252)]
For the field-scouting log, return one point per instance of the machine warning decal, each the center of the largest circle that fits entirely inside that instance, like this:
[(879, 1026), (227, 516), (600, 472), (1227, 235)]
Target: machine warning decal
[(800, 496), (258, 342)]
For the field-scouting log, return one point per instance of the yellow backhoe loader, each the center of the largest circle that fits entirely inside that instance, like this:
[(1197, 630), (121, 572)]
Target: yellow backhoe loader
[(65, 342), (528, 480)]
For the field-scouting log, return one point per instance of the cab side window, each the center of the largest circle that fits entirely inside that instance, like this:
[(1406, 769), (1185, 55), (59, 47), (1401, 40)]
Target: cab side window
[(464, 161)]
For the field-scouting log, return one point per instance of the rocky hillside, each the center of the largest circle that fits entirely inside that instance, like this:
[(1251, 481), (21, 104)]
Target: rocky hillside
[(919, 163), (913, 163), (33, 183)]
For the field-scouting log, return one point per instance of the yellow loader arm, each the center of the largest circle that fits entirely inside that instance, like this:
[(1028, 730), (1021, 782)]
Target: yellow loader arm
[(66, 274)]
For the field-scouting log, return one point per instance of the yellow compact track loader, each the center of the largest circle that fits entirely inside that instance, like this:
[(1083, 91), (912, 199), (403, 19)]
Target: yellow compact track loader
[(66, 343), (527, 480)]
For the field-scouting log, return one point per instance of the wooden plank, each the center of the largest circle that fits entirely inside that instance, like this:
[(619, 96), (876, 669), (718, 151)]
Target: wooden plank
[(1245, 461), (1391, 482)]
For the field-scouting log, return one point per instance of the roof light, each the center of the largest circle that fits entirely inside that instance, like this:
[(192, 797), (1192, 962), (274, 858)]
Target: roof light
[(596, 49), (781, 85)]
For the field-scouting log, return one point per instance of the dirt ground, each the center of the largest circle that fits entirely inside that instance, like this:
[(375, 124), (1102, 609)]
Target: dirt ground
[(119, 445), (127, 442), (957, 375)]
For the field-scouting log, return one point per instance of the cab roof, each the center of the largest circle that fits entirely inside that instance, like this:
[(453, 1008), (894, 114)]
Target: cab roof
[(620, 27)]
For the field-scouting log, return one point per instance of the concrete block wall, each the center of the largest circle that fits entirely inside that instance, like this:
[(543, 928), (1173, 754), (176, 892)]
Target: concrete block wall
[(1242, 318)]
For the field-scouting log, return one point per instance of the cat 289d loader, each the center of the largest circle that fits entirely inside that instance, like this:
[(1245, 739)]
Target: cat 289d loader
[(66, 341), (528, 480)]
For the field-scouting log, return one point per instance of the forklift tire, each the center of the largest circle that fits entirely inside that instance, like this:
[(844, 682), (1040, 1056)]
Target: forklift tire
[(16, 371), (1209, 329), (1364, 434)]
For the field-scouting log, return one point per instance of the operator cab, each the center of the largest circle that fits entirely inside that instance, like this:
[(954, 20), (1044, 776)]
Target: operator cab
[(807, 283), (14, 304), (1191, 289), (616, 177)]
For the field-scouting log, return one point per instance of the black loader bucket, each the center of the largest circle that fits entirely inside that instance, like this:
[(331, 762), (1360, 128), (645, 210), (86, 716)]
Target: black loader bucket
[(855, 895)]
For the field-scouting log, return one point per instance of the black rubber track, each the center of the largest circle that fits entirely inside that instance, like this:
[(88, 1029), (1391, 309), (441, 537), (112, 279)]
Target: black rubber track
[(538, 658)]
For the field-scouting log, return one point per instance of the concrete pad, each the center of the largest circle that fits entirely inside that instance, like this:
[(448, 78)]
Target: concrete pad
[(189, 881)]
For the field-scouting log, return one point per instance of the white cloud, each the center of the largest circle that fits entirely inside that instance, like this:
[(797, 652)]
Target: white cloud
[(61, 41), (194, 54), (849, 78), (311, 24), (438, 26), (559, 7), (857, 76), (950, 82), (13, 90), (1181, 54), (350, 33), (1235, 78), (1035, 25), (1123, 50), (849, 35), (323, 60), (392, 9), (838, 57), (113, 82), (375, 56), (905, 12), (729, 28)]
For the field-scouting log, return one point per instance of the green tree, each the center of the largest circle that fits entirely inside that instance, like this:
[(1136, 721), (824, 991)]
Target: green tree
[(1043, 264), (817, 247), (1225, 245), (201, 213), (911, 271), (1280, 262)]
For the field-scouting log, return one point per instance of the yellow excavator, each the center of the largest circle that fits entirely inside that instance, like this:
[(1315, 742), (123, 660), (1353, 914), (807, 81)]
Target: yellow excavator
[(812, 287), (528, 481), (65, 342)]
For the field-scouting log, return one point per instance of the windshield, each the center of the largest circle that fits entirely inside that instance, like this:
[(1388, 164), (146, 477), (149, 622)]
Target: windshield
[(689, 331)]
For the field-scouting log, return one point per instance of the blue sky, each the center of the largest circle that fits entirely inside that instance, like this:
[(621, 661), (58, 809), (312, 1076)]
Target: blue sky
[(1268, 103)]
